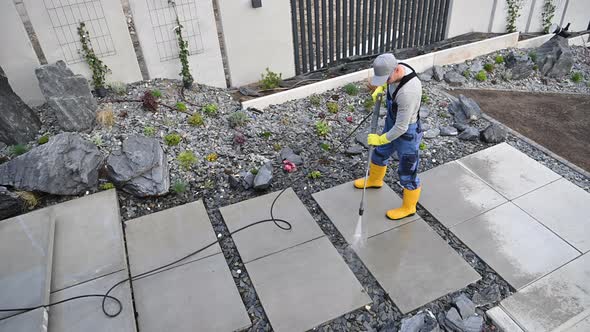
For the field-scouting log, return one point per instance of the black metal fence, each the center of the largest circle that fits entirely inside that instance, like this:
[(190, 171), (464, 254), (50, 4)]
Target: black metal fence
[(326, 31)]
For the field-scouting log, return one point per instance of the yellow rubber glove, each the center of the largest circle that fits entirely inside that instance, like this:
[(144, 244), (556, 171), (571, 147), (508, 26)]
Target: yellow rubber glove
[(378, 91), (376, 140)]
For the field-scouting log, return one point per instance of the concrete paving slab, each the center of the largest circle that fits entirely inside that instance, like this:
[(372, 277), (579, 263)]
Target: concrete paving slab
[(86, 314), (515, 245), (509, 171), (265, 239), (88, 239), (26, 254), (199, 295), (341, 205), (502, 320), (305, 286), (31, 321), (553, 300), (562, 207), (452, 194), (163, 237), (415, 266), (579, 323)]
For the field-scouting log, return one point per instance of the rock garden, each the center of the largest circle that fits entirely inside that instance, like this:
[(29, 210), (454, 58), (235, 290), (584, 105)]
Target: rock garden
[(162, 145)]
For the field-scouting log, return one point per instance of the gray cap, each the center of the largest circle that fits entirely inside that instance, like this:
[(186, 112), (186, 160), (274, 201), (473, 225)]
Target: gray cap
[(383, 66)]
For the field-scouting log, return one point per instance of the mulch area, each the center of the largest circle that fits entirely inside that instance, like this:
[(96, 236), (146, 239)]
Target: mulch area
[(559, 122)]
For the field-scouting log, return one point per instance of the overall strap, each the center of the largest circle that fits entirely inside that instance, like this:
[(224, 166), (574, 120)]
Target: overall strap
[(404, 80)]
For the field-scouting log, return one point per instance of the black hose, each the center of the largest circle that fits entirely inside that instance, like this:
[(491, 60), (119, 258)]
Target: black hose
[(280, 223)]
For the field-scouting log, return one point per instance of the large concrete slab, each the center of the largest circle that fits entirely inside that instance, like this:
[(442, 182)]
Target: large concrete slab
[(515, 245), (415, 266), (86, 314), (452, 194), (31, 321), (265, 239), (341, 205), (88, 239), (553, 300), (199, 295), (502, 320), (579, 323), (305, 286), (163, 237), (26, 253), (562, 207), (509, 171)]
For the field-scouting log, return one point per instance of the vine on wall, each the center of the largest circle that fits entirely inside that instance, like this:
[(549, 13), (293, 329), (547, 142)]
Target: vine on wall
[(548, 14), (514, 7)]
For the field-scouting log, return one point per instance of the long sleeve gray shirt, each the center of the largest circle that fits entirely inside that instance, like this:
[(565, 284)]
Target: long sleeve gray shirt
[(408, 105)]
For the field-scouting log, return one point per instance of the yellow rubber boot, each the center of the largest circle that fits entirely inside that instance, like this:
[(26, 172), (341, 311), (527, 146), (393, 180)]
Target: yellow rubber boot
[(408, 207), (375, 180)]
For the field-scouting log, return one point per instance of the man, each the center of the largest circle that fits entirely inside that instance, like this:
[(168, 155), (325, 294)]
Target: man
[(402, 132)]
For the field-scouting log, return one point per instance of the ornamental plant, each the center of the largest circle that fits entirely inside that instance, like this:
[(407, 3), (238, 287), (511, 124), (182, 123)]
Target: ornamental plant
[(97, 67)]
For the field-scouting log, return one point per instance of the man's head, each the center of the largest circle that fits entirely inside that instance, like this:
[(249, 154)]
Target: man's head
[(386, 70)]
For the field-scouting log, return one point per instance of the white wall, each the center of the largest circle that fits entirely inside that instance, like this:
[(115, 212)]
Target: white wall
[(257, 38), (469, 16), (155, 22), (578, 13), (17, 57), (55, 24)]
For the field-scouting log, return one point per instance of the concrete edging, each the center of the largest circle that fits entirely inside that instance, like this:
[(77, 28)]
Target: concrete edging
[(420, 63), (534, 42)]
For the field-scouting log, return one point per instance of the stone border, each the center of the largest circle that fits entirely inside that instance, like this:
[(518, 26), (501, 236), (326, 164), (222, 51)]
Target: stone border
[(420, 63), (534, 42), (538, 146)]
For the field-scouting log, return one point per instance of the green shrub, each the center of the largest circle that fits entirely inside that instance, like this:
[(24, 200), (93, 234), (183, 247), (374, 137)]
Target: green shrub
[(332, 107), (107, 186), (315, 175), (577, 77), (322, 128), (196, 120), (149, 131), (43, 139), (156, 93), (325, 146), (466, 73), (425, 99), (481, 76), (270, 80), (179, 187), (237, 119), (119, 88), (499, 59), (489, 67), (181, 107), (277, 147), (369, 103), (210, 109), (351, 89), (18, 149), (422, 146), (97, 140), (351, 106), (172, 139), (315, 100), (535, 67), (186, 160), (254, 171), (266, 134), (533, 56), (211, 157)]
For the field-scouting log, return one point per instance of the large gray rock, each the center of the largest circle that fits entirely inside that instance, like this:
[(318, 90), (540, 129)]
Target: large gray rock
[(453, 78), (432, 133), (18, 123), (438, 73), (455, 322), (66, 165), (493, 134), (263, 177), (288, 154), (448, 131), (421, 322), (469, 134), (465, 306), (10, 204), (465, 110), (361, 138), (476, 67), (555, 57), (140, 167), (68, 96), (519, 67)]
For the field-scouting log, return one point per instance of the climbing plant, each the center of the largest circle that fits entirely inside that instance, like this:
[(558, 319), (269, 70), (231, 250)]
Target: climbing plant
[(183, 53), (548, 13), (98, 68), (514, 7)]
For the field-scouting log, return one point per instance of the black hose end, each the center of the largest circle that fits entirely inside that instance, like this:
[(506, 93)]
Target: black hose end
[(361, 211)]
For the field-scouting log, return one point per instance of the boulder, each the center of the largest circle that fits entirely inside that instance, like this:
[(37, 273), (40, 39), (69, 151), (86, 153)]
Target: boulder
[(264, 177), (426, 76), (465, 306), (519, 67), (288, 154), (476, 67), (66, 165), (460, 126), (421, 322), (448, 131), (465, 110), (438, 73), (68, 96), (424, 112), (432, 133), (469, 134), (18, 122), (361, 138), (354, 150), (453, 78), (10, 204), (493, 134), (555, 58), (140, 167), (454, 322)]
